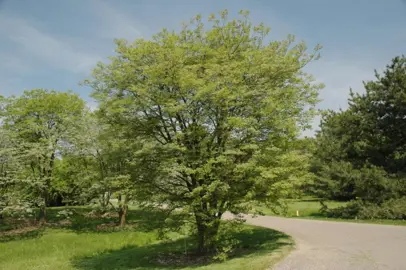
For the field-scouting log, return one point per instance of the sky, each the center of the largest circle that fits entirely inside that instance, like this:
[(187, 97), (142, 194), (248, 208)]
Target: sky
[(55, 44)]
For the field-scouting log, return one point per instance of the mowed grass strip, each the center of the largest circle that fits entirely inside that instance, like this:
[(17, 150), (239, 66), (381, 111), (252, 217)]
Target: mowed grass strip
[(84, 247)]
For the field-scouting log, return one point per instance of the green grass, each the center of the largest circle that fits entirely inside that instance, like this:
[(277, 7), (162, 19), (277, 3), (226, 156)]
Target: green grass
[(306, 207), (80, 245), (309, 208)]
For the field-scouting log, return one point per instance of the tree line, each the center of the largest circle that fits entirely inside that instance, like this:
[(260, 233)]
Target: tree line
[(202, 122), (360, 152)]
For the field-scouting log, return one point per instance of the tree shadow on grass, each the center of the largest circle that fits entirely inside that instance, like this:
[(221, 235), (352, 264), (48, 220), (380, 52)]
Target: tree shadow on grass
[(177, 254)]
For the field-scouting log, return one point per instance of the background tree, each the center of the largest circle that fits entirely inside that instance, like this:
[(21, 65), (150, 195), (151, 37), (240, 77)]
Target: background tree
[(106, 159), (8, 170), (42, 123), (218, 109), (361, 151)]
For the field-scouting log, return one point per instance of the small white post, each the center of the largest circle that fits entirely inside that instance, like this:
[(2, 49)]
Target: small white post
[(297, 213)]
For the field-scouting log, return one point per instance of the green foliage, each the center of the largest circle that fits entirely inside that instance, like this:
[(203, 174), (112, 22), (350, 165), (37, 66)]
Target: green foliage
[(335, 181), (72, 179), (218, 111), (394, 209), (40, 124), (376, 186), (226, 242), (360, 151), (7, 170), (349, 211)]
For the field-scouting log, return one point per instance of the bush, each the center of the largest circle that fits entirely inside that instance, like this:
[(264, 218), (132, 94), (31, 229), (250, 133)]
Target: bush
[(334, 181), (226, 242), (342, 182), (395, 208), (20, 212), (66, 214), (390, 209), (376, 186), (349, 211)]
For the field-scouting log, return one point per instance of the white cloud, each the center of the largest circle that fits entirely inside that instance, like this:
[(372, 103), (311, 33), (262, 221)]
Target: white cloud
[(44, 47), (36, 49), (114, 22), (338, 76)]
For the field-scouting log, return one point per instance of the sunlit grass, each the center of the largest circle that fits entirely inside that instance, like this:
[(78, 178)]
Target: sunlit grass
[(80, 245)]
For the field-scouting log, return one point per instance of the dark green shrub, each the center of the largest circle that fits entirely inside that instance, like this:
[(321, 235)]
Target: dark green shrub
[(376, 186), (349, 211), (390, 209), (395, 208)]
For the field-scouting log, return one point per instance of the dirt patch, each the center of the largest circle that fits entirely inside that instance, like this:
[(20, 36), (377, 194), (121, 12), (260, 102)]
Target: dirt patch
[(65, 222), (19, 231), (60, 223), (94, 214), (20, 223), (110, 215)]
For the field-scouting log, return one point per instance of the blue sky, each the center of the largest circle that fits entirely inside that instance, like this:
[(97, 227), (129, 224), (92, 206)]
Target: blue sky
[(54, 44)]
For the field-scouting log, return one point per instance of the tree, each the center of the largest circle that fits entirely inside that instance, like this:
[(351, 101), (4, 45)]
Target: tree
[(7, 170), (11, 197), (105, 158), (218, 111), (42, 123), (383, 109), (355, 145)]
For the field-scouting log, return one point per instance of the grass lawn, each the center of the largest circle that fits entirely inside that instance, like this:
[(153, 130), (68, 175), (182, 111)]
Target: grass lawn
[(309, 208), (81, 244)]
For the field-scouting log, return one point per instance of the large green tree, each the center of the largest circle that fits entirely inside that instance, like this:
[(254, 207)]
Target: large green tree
[(41, 122), (218, 109), (371, 133)]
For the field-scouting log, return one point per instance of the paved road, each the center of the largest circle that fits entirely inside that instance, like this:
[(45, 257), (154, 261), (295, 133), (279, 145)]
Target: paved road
[(339, 246)]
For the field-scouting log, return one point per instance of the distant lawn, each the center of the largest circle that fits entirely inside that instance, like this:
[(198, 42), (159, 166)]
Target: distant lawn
[(309, 208), (90, 244)]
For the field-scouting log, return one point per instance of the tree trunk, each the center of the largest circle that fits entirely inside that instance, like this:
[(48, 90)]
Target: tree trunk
[(43, 214), (47, 174), (201, 239), (207, 230), (122, 213), (43, 210)]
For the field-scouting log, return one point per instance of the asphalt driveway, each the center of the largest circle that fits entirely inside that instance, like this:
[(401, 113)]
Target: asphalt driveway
[(339, 245)]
